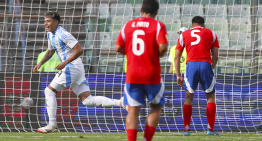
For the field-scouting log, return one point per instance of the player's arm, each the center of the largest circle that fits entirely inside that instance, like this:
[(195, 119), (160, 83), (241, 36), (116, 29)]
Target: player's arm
[(162, 49), (179, 50), (162, 41), (171, 68), (120, 49), (120, 42), (180, 79), (214, 51), (170, 59), (78, 51), (177, 62), (47, 56)]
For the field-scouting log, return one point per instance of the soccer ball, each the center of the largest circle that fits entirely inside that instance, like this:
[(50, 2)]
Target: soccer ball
[(27, 103)]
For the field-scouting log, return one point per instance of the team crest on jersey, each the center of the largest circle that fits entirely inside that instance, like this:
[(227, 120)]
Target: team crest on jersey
[(56, 43)]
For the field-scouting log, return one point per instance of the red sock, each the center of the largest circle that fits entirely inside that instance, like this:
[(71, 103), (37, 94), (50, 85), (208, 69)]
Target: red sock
[(187, 113), (131, 134), (211, 115), (149, 132)]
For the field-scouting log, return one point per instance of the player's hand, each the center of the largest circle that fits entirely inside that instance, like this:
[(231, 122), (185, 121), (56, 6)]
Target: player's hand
[(36, 68), (180, 81), (61, 66)]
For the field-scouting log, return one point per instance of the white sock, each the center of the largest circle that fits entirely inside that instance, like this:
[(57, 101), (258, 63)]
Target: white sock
[(117, 102), (51, 106), (101, 101)]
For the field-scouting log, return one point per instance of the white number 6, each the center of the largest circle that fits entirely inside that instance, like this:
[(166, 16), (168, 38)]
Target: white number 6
[(139, 41), (195, 35)]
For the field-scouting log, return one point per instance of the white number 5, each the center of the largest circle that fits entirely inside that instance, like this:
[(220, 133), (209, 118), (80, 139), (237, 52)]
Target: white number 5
[(139, 41), (195, 35)]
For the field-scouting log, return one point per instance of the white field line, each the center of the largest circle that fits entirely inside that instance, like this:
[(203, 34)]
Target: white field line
[(12, 136)]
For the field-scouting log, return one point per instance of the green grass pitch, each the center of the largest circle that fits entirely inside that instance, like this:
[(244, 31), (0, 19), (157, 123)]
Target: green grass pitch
[(64, 136)]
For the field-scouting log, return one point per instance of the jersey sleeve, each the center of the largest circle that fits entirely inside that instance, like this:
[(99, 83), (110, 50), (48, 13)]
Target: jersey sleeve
[(70, 40), (121, 39), (161, 31), (215, 41), (50, 47), (180, 43)]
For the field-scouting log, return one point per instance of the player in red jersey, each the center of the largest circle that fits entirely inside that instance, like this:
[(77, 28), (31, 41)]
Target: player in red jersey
[(143, 40), (198, 41)]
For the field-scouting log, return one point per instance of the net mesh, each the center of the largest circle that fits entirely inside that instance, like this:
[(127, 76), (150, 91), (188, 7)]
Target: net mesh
[(96, 25)]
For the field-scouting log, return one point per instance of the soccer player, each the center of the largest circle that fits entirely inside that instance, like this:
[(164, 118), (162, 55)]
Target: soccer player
[(143, 40), (71, 72), (198, 41), (172, 54)]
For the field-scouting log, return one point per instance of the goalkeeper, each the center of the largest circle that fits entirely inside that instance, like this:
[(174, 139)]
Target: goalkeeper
[(71, 72), (198, 41)]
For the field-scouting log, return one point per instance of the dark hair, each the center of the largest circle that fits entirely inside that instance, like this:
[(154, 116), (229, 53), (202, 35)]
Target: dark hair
[(199, 20), (150, 6), (52, 14)]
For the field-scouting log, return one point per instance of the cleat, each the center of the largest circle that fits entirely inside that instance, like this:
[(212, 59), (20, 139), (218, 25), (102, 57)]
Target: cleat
[(210, 133), (48, 129), (187, 133), (122, 104)]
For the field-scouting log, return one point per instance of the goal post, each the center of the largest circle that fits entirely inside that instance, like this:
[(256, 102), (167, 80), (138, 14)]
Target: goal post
[(96, 25)]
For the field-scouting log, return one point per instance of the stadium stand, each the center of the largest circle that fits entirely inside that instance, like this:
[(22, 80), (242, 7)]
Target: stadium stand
[(216, 10), (217, 24), (169, 10), (191, 10), (240, 39), (222, 39), (240, 25), (241, 10), (121, 9)]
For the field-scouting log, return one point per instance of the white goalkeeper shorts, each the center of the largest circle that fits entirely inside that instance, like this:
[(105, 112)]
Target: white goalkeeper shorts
[(73, 77)]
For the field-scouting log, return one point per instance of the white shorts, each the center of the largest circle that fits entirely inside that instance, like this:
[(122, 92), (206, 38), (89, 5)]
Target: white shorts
[(73, 77)]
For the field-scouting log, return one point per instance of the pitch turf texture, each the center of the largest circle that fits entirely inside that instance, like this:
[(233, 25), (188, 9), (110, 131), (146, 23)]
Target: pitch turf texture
[(63, 136)]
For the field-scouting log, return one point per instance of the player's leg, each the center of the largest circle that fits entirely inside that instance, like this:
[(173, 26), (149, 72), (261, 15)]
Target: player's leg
[(83, 92), (132, 122), (80, 87), (134, 98), (152, 121), (207, 81), (156, 97), (211, 114), (187, 112), (51, 106), (191, 78)]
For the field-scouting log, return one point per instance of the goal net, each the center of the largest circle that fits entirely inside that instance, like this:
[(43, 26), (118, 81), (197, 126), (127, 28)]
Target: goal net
[(96, 25)]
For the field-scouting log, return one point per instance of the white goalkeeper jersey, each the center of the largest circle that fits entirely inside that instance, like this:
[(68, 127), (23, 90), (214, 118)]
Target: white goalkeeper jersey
[(63, 42)]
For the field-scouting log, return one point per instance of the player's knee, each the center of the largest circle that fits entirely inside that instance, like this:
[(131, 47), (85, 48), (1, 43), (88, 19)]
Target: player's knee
[(49, 92), (189, 97), (89, 101), (133, 111), (210, 98)]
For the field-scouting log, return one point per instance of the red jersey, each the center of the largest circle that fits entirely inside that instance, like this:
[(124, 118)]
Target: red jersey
[(141, 38), (198, 42)]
